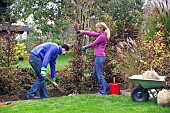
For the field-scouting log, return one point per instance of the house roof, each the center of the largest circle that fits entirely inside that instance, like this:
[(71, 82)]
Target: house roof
[(14, 28)]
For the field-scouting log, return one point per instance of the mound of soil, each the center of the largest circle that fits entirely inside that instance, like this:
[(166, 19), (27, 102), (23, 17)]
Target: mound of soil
[(65, 79), (26, 76)]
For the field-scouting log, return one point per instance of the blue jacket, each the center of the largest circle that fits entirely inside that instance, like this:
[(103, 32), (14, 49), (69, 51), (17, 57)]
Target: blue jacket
[(48, 53)]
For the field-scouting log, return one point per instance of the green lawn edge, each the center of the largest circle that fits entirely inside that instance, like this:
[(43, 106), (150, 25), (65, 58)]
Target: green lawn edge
[(85, 103)]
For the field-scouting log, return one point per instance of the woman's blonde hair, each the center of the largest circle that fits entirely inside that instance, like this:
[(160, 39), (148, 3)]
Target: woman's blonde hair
[(105, 28)]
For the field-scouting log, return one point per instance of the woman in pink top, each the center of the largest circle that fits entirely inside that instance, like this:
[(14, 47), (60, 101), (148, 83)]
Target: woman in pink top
[(102, 34)]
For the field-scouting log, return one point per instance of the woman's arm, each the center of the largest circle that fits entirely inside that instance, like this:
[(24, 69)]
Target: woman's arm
[(94, 34), (96, 42)]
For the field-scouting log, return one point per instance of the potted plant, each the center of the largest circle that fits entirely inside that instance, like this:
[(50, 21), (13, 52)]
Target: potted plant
[(20, 50)]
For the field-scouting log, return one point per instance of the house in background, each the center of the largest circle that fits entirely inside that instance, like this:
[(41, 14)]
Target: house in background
[(10, 29)]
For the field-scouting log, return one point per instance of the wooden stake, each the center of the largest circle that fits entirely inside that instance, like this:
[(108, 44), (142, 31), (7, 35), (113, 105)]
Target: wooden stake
[(114, 80)]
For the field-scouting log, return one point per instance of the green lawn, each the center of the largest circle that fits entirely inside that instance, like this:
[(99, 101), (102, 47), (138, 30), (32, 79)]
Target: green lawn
[(61, 62), (85, 103)]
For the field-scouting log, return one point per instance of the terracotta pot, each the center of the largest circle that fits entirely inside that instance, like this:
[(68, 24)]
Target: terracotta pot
[(27, 58)]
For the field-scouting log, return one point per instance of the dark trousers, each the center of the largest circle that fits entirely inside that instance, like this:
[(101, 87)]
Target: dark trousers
[(39, 85)]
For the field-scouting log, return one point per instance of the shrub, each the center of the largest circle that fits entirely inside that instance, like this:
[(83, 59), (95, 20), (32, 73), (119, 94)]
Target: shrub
[(20, 49), (7, 60), (156, 37), (127, 15), (7, 44)]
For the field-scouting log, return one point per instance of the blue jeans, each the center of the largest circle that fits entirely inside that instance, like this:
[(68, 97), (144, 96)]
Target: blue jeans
[(39, 85), (98, 74)]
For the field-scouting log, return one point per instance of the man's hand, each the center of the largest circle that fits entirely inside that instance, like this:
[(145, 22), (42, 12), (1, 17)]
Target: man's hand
[(54, 83), (53, 79), (43, 71), (83, 48), (79, 31)]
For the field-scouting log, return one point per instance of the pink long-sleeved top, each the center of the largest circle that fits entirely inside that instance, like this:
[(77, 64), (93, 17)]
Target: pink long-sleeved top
[(99, 43)]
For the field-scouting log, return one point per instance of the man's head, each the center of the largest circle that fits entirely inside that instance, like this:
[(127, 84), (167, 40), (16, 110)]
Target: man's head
[(65, 49)]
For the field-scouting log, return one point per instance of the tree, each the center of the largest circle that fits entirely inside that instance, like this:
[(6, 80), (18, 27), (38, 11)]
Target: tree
[(4, 10), (56, 15), (46, 14), (127, 15)]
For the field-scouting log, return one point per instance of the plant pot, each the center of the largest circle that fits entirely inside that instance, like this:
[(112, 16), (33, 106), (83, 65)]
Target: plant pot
[(27, 58), (21, 58)]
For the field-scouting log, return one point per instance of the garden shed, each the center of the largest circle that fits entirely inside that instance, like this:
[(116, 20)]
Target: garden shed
[(4, 29)]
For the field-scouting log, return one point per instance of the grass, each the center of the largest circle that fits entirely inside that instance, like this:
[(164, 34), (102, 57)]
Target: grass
[(61, 62), (85, 103)]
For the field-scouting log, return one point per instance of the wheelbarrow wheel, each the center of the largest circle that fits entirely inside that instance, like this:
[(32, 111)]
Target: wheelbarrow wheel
[(139, 94)]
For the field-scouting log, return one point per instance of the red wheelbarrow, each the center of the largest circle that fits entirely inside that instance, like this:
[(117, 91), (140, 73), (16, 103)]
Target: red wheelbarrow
[(145, 87)]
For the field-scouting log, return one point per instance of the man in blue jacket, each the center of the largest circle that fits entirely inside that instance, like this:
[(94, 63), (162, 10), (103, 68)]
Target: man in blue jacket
[(39, 58)]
